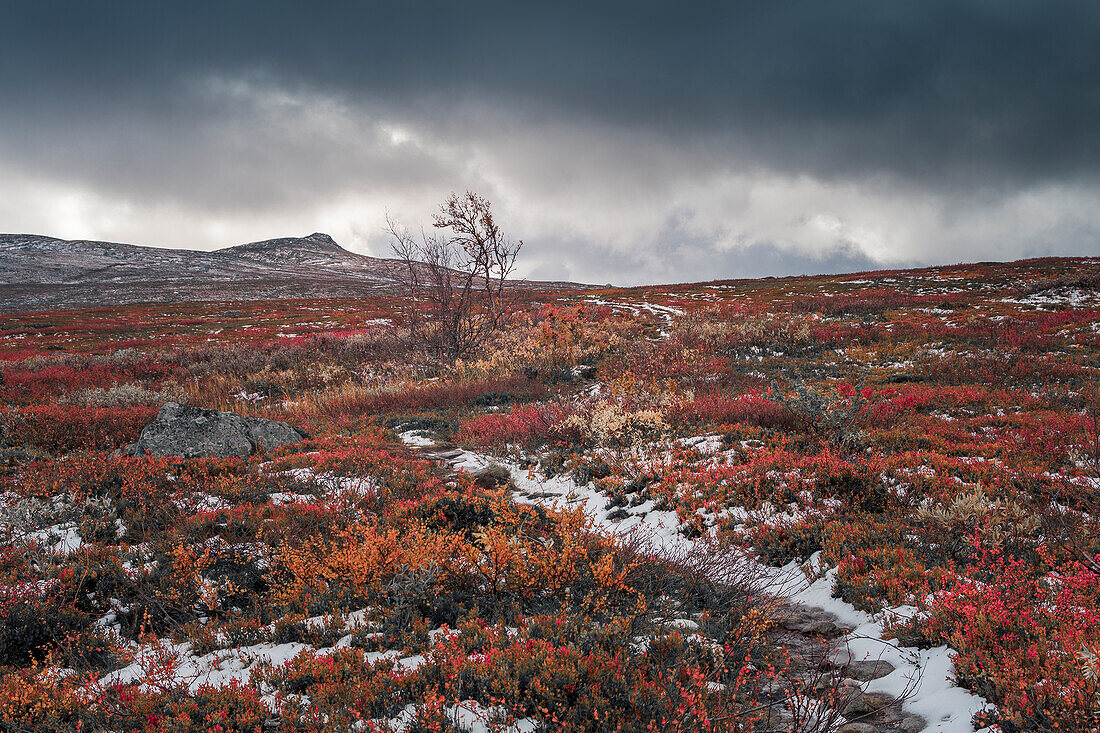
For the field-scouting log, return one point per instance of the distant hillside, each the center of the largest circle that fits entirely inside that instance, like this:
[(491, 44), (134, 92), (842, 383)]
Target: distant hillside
[(38, 272)]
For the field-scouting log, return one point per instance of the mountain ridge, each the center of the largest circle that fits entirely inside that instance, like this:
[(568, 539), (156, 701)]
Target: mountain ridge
[(41, 272)]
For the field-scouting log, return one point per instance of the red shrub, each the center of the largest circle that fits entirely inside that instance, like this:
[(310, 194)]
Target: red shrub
[(1025, 640), (524, 425), (24, 386), (718, 409), (66, 427)]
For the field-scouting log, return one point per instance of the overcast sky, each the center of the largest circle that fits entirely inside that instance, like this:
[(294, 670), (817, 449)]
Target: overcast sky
[(624, 142)]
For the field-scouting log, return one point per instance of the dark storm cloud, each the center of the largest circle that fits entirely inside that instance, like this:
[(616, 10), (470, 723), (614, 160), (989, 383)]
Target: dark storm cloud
[(993, 88), (789, 136)]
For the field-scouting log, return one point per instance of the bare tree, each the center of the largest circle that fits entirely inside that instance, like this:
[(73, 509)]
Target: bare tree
[(455, 279)]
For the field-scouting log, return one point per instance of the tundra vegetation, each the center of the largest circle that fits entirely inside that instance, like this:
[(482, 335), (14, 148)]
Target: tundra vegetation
[(930, 435)]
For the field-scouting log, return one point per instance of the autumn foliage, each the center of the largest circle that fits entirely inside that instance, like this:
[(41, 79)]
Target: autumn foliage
[(931, 436)]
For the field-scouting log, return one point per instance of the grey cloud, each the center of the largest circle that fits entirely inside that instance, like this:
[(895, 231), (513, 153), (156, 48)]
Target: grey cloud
[(686, 257), (226, 144), (625, 141), (977, 87)]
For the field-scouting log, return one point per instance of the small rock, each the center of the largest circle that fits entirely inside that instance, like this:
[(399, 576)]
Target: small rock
[(912, 724), (444, 454), (857, 728), (824, 628), (796, 622), (904, 379), (890, 714), (825, 682), (863, 705), (870, 669)]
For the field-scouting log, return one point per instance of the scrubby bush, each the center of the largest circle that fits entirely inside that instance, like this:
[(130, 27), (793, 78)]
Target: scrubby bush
[(524, 425), (717, 409), (1026, 640), (67, 428)]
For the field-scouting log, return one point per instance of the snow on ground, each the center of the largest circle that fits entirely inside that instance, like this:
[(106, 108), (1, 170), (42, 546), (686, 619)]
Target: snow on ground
[(923, 676), (216, 668), (281, 498), (60, 539), (333, 487), (472, 716), (416, 438), (152, 662), (630, 309), (705, 444), (1058, 297)]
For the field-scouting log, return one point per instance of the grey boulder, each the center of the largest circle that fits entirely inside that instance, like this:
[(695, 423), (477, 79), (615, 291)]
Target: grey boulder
[(192, 432), (868, 670)]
